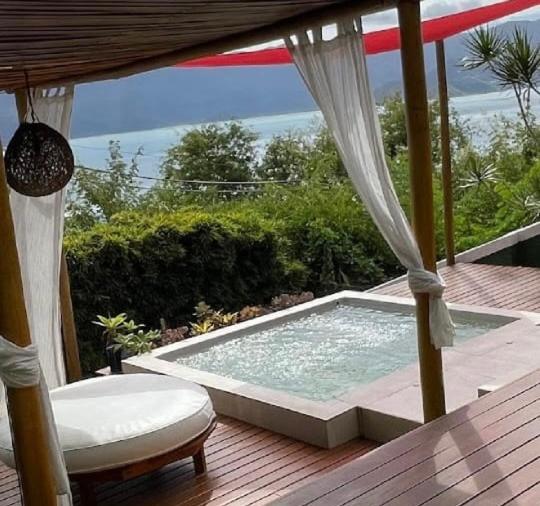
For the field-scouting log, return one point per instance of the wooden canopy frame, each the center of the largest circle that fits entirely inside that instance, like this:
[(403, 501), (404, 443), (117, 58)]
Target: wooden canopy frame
[(25, 407), (146, 35)]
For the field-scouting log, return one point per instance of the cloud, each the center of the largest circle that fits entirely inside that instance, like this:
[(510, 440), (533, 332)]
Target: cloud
[(436, 8), (430, 9), (433, 9)]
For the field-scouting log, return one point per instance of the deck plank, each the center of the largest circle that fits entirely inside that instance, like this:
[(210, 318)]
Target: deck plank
[(495, 286), (425, 460), (486, 453), (529, 497), (498, 482), (444, 475), (246, 465)]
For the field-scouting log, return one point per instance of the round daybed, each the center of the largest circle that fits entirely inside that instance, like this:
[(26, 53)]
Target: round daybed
[(122, 426)]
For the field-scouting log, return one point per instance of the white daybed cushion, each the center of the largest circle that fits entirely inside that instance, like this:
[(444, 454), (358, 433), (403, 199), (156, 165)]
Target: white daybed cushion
[(106, 422)]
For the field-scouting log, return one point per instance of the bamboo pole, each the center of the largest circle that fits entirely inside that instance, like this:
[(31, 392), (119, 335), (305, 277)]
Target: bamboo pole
[(21, 101), (25, 408), (419, 143), (69, 332), (446, 159)]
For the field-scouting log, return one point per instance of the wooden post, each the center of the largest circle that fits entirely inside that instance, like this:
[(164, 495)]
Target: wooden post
[(25, 408), (419, 143), (446, 159), (69, 331), (21, 100)]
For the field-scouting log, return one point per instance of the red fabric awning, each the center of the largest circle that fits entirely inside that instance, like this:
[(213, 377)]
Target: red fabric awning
[(378, 41)]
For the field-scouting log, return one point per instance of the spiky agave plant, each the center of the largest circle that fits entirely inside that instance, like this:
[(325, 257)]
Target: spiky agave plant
[(476, 171)]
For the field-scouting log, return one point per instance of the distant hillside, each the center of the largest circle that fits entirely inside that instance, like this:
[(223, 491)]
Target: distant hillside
[(174, 96)]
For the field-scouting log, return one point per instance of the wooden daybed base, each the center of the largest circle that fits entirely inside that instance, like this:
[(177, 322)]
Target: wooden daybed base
[(195, 449)]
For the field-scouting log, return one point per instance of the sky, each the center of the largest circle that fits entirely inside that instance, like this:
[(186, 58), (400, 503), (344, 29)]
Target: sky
[(430, 9), (436, 8)]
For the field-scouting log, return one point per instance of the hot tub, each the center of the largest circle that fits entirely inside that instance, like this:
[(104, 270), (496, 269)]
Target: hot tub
[(294, 371)]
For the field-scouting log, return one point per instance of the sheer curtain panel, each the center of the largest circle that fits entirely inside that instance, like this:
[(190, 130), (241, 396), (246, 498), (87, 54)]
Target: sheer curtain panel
[(335, 73)]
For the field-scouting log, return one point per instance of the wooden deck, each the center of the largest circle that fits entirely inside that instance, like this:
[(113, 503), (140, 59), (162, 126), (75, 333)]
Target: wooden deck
[(246, 465), (516, 288), (486, 453)]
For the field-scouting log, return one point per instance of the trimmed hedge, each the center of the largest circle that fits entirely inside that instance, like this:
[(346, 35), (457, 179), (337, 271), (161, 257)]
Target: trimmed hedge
[(161, 266)]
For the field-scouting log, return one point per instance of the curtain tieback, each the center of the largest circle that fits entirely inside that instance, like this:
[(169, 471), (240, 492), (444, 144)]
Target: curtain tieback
[(424, 281), (440, 322), (19, 367)]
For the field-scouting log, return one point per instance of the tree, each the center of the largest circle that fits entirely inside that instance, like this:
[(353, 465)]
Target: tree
[(284, 159), (213, 153), (513, 61), (96, 195), (393, 125), (324, 163)]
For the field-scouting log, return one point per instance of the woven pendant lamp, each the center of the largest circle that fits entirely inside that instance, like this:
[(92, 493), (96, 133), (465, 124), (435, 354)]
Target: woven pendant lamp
[(38, 159)]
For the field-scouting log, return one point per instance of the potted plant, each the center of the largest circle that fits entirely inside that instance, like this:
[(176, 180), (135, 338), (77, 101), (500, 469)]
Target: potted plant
[(137, 343), (114, 328)]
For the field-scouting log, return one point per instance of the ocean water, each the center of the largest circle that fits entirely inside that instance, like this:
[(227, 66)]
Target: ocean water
[(324, 354), (478, 110)]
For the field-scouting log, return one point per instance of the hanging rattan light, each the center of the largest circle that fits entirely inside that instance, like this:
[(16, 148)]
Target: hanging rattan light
[(38, 159)]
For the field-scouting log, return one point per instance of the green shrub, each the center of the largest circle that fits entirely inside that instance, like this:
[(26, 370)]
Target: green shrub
[(153, 267), (328, 231)]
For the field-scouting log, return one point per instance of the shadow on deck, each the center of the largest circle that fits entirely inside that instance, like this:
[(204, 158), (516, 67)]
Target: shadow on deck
[(485, 453)]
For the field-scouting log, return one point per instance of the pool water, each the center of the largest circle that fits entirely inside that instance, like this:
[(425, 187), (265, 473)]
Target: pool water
[(323, 355)]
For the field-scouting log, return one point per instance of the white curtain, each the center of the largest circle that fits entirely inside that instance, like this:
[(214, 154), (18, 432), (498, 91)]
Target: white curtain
[(335, 72), (39, 224)]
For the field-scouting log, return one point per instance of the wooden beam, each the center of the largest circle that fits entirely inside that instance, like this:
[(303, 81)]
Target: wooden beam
[(322, 16), (25, 408), (420, 163), (446, 159)]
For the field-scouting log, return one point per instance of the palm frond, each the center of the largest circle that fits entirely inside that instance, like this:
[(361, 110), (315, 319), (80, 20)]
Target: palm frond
[(519, 63), (484, 46)]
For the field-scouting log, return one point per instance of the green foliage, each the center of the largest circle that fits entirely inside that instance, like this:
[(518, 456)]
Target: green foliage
[(393, 125), (310, 157), (125, 334), (494, 189), (212, 153), (159, 266), (325, 165), (139, 342), (326, 230), (96, 196), (114, 326), (209, 319), (285, 159)]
